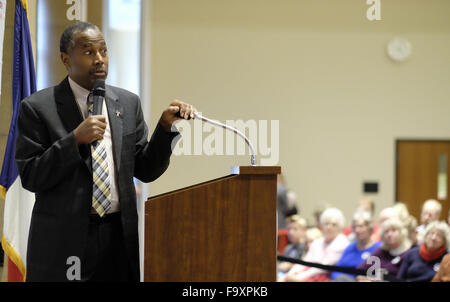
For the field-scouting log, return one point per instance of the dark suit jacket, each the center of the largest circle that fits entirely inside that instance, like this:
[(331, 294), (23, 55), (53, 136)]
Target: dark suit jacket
[(59, 172)]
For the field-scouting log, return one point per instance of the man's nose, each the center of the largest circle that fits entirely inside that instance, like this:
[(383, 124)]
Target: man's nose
[(99, 59)]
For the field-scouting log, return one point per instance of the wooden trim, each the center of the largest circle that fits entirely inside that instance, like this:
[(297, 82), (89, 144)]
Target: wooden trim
[(444, 140), (255, 170)]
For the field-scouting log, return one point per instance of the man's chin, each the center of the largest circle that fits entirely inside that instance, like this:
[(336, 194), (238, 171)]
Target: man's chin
[(96, 77), (100, 76)]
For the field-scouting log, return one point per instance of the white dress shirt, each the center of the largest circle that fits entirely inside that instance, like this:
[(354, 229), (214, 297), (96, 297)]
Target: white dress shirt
[(81, 95)]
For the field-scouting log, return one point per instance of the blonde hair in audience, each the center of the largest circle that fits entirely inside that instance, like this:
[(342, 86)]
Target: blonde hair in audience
[(409, 222), (396, 223), (300, 221), (387, 213), (402, 210), (313, 233)]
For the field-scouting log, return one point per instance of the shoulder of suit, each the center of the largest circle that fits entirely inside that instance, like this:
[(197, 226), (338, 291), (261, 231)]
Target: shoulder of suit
[(121, 93), (43, 96)]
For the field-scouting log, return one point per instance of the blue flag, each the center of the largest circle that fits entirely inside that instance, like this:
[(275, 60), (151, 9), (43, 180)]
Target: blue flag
[(24, 84)]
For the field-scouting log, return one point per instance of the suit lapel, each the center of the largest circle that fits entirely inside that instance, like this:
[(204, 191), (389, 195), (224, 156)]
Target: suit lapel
[(115, 119), (71, 116), (67, 107)]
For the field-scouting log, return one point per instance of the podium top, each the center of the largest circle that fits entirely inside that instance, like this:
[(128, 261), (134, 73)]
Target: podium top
[(244, 170)]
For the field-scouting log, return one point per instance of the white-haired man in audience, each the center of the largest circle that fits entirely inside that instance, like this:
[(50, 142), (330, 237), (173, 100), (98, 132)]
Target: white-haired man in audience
[(431, 211)]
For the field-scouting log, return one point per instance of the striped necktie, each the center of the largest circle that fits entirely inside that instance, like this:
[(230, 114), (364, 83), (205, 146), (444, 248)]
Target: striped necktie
[(101, 192)]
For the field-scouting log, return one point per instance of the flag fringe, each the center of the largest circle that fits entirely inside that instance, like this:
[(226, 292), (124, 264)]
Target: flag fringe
[(15, 258), (25, 5), (2, 192)]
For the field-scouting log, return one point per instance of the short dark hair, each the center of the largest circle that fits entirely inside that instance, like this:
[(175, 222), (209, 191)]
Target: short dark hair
[(66, 42)]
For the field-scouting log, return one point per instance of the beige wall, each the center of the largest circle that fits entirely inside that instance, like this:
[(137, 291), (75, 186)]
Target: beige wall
[(321, 69)]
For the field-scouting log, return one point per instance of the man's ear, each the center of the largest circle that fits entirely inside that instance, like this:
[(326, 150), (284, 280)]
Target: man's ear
[(65, 60)]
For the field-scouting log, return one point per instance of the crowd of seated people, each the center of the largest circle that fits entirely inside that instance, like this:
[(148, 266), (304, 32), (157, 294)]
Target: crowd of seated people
[(325, 250), (393, 244)]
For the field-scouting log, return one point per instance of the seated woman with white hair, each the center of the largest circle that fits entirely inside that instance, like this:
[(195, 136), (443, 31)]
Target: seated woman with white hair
[(422, 263), (395, 245), (360, 249), (325, 250)]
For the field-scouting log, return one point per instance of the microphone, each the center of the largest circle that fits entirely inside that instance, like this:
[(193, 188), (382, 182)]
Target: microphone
[(236, 131), (98, 94)]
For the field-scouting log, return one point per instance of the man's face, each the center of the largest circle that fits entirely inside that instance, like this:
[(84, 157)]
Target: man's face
[(428, 215), (87, 60)]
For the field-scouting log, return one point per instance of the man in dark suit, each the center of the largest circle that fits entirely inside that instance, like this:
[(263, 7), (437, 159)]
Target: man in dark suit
[(54, 156)]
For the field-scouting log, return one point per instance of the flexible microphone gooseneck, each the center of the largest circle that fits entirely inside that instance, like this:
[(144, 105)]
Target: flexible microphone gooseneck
[(216, 123)]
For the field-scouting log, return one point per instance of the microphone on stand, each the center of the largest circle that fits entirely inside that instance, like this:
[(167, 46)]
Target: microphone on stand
[(236, 131)]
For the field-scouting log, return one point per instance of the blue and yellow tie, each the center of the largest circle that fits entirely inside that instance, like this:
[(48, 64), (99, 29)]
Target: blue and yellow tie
[(101, 193)]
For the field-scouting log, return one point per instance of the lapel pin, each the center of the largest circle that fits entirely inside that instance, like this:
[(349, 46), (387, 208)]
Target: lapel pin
[(117, 113)]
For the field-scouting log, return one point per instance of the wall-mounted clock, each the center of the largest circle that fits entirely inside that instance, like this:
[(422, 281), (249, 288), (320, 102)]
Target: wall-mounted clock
[(399, 49)]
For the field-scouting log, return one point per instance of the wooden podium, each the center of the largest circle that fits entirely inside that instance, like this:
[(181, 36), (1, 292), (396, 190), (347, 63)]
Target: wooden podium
[(220, 230)]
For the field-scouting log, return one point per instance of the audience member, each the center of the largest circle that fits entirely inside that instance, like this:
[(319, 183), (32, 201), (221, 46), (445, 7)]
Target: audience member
[(312, 234), (411, 227), (443, 275), (368, 204), (360, 249), (395, 245), (422, 263), (431, 211), (448, 217), (409, 222), (285, 205), (385, 214), (325, 250), (402, 210), (296, 232), (365, 204)]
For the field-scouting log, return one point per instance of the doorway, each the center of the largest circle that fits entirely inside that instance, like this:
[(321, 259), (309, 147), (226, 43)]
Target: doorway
[(422, 168)]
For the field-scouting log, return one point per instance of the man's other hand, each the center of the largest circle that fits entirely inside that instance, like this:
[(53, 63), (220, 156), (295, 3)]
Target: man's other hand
[(176, 111)]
